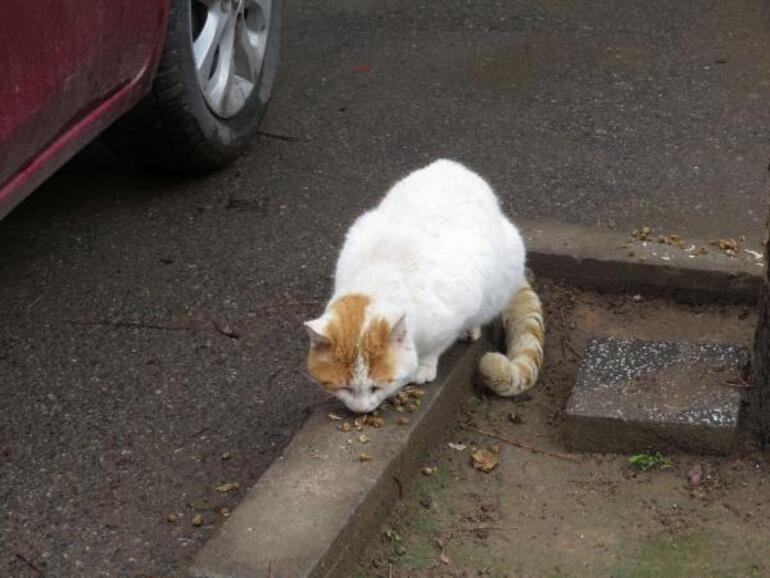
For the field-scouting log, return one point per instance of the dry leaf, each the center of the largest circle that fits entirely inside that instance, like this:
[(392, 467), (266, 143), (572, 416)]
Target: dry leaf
[(363, 438), (695, 476), (345, 427), (483, 460)]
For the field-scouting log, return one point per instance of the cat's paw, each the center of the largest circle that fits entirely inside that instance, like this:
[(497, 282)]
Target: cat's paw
[(472, 334), (424, 374)]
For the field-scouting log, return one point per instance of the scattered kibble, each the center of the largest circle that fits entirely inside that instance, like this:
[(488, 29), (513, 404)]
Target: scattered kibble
[(375, 421)]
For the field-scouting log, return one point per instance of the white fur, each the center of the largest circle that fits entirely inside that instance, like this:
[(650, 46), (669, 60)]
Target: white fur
[(439, 250)]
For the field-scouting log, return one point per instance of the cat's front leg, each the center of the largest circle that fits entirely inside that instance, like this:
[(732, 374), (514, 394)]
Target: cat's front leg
[(426, 369)]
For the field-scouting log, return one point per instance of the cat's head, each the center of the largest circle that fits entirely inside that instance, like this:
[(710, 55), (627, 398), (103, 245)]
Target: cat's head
[(361, 351)]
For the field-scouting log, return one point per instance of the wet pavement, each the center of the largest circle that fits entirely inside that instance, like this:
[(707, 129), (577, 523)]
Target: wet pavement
[(151, 327)]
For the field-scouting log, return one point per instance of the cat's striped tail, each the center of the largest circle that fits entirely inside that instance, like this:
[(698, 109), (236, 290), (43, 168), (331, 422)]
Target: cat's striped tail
[(517, 371)]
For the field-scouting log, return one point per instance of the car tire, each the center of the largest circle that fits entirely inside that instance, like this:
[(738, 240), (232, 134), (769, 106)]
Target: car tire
[(178, 127)]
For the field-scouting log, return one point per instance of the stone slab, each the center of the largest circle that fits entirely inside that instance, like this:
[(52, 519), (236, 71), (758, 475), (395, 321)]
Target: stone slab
[(632, 396), (310, 514)]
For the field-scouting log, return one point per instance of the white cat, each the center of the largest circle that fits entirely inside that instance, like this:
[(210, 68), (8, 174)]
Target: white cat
[(435, 260)]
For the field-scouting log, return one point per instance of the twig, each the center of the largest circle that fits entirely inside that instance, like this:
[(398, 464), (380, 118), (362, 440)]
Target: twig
[(400, 488), (390, 570), (742, 384), (288, 304), (484, 528), (29, 563), (277, 136), (523, 445), (129, 325)]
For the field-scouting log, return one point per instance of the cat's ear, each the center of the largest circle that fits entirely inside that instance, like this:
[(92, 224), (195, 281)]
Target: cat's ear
[(315, 332), (398, 333)]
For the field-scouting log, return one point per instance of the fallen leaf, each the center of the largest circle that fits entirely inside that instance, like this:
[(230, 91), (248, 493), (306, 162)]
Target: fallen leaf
[(345, 427), (695, 476), (228, 487), (483, 460), (363, 438)]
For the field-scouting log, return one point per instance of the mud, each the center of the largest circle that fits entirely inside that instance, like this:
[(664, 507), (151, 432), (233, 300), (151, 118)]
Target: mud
[(539, 515)]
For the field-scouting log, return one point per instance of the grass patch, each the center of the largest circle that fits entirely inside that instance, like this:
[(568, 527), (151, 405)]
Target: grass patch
[(644, 462)]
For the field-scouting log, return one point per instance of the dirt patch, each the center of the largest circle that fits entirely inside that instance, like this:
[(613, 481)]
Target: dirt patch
[(539, 514)]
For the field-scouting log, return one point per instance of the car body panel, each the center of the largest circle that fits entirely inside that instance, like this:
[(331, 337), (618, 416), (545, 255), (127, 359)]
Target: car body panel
[(70, 69)]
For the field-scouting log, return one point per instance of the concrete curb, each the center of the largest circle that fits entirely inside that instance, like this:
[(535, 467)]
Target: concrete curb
[(311, 513), (599, 258)]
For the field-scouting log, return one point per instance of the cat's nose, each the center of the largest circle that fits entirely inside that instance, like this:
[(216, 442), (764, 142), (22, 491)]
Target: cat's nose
[(361, 405)]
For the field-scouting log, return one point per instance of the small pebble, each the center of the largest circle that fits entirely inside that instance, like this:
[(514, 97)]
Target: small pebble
[(172, 518), (364, 457), (197, 520), (226, 456)]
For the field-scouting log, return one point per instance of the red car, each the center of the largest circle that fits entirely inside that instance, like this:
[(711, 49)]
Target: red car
[(186, 80)]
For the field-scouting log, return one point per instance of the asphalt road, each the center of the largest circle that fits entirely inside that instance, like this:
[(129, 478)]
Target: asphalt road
[(149, 326)]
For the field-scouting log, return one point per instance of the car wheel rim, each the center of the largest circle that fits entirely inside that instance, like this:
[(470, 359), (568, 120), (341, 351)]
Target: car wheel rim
[(229, 38)]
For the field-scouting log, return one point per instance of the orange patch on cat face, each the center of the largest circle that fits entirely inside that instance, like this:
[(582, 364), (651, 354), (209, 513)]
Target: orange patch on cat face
[(333, 364)]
